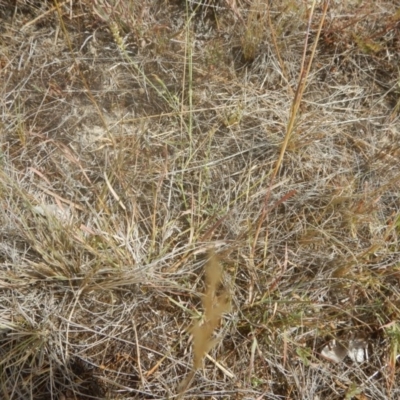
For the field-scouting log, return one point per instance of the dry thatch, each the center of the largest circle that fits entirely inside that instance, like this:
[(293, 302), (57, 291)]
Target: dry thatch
[(136, 137)]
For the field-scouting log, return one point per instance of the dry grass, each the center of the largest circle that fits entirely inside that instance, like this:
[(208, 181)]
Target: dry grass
[(215, 304), (136, 137)]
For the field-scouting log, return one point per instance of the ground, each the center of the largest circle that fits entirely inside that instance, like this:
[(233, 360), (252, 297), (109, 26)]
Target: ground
[(199, 199)]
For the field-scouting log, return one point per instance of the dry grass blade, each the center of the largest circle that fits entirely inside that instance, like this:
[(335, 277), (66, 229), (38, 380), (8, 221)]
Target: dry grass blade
[(215, 303), (298, 95)]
